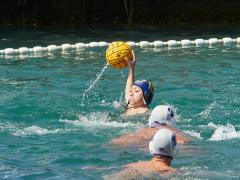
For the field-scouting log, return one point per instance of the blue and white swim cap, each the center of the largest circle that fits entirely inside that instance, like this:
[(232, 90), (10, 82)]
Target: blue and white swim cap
[(162, 115), (163, 143), (147, 89)]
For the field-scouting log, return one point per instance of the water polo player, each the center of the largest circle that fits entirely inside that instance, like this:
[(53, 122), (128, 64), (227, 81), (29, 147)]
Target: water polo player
[(163, 149), (138, 94), (162, 116)]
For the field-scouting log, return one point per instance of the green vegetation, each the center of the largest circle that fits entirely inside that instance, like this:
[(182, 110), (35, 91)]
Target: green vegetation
[(74, 13)]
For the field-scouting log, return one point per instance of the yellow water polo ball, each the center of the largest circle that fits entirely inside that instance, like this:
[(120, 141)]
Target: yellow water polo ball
[(117, 52)]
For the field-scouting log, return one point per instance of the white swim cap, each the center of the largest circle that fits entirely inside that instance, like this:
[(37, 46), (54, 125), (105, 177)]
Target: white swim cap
[(163, 143), (160, 115)]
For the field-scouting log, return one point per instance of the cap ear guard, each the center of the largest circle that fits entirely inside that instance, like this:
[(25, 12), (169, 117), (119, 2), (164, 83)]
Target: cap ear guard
[(149, 95), (169, 114)]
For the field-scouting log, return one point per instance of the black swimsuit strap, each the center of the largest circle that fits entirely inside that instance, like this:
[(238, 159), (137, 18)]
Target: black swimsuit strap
[(127, 107)]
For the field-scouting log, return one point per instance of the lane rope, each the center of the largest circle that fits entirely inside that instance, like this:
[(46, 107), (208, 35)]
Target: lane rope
[(141, 44)]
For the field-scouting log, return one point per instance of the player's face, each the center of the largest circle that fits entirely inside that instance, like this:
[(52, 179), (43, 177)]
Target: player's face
[(136, 96)]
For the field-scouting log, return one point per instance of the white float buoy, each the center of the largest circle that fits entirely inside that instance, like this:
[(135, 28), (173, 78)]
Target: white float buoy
[(200, 42), (131, 43), (86, 45), (137, 44), (66, 47), (213, 41), (93, 44), (165, 43), (80, 45), (37, 49), (179, 43), (227, 40), (186, 42), (2, 51), (102, 44), (16, 51), (151, 44), (59, 48), (144, 44), (9, 51), (23, 50), (52, 48), (238, 40), (158, 43), (172, 43)]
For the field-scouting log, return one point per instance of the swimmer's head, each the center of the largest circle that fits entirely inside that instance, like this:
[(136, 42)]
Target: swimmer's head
[(147, 89), (162, 115), (163, 143)]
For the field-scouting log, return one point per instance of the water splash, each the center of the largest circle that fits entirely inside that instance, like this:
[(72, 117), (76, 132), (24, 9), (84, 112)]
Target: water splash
[(21, 130), (93, 83), (225, 132), (98, 120), (34, 130), (193, 134), (212, 125), (205, 113), (114, 104)]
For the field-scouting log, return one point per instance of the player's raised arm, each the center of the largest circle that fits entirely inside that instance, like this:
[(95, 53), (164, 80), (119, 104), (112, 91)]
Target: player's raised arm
[(130, 78)]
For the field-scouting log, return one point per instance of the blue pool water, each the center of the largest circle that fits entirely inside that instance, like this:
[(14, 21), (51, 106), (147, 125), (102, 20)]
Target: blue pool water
[(56, 119)]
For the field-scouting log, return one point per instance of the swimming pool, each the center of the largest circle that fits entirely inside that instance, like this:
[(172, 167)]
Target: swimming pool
[(53, 126)]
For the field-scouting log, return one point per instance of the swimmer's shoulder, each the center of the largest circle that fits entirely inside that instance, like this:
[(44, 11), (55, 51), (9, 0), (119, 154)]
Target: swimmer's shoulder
[(137, 111), (149, 167)]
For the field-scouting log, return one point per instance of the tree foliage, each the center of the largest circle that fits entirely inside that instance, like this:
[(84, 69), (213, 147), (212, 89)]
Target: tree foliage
[(117, 12)]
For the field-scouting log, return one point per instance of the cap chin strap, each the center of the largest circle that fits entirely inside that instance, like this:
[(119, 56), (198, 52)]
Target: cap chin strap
[(150, 146), (144, 101), (159, 155)]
